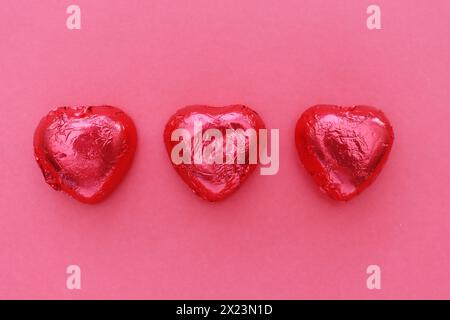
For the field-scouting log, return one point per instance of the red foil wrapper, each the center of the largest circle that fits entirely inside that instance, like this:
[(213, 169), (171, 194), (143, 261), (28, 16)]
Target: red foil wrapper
[(343, 148), (213, 181), (85, 151)]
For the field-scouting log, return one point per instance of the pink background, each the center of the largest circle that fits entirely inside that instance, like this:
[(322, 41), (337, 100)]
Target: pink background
[(278, 236)]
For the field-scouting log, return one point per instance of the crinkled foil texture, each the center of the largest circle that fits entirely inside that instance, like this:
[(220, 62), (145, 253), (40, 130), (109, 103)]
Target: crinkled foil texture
[(214, 181), (343, 148), (79, 148)]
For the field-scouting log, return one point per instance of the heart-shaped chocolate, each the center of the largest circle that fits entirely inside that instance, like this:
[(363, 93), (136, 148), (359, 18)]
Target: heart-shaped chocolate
[(85, 151), (216, 176), (343, 148)]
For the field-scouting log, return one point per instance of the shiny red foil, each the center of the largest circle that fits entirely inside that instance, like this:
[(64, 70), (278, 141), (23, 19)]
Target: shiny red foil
[(214, 181), (343, 148), (85, 151)]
